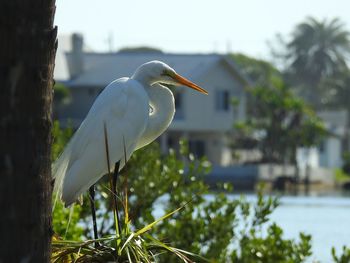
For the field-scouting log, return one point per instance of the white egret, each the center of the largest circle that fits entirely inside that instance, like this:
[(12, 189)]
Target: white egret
[(124, 107)]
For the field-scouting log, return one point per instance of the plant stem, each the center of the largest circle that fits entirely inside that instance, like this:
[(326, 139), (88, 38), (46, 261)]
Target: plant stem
[(93, 212), (114, 192)]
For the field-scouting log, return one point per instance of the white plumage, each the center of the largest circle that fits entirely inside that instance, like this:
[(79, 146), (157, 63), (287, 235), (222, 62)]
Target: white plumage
[(124, 107)]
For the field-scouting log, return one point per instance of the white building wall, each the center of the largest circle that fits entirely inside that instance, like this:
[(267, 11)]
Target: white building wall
[(330, 156), (200, 113), (335, 153), (308, 157)]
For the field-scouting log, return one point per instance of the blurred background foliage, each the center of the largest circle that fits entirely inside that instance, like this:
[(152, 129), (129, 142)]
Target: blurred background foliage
[(278, 113), (313, 59), (275, 111)]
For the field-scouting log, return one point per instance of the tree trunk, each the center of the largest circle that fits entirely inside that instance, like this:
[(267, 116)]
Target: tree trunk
[(27, 52)]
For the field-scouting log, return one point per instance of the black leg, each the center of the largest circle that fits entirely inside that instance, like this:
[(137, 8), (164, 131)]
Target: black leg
[(93, 212), (114, 192)]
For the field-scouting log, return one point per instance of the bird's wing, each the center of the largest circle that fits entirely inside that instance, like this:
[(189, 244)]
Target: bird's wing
[(110, 104), (123, 108)]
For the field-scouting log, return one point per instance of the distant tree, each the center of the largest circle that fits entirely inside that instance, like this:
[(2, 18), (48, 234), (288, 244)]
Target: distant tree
[(316, 52), (336, 91), (27, 52), (62, 96), (346, 163), (282, 121), (258, 71), (60, 139), (61, 93)]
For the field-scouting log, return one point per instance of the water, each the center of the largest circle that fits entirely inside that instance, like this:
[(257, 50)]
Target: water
[(326, 218)]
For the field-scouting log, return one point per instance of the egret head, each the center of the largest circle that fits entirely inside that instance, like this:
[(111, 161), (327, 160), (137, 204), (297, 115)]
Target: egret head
[(159, 72)]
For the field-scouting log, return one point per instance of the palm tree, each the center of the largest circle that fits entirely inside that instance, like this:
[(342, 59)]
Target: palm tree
[(317, 50)]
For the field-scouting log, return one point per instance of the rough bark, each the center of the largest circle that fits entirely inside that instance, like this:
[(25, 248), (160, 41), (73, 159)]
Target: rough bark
[(27, 52)]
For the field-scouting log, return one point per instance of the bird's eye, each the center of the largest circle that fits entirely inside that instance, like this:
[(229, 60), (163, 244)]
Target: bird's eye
[(164, 73), (151, 110)]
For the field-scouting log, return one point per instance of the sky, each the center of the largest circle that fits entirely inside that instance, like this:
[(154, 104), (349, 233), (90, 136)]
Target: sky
[(191, 26)]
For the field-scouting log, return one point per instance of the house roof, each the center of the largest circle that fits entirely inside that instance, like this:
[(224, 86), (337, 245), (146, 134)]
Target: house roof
[(102, 68)]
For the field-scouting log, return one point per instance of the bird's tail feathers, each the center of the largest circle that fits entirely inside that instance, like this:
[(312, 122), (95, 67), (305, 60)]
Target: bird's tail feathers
[(59, 169)]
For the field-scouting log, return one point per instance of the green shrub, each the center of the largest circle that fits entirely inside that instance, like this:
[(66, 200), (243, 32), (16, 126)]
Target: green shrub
[(342, 258)]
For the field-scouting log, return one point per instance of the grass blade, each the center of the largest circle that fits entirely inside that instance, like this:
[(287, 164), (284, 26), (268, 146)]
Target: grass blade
[(149, 226)]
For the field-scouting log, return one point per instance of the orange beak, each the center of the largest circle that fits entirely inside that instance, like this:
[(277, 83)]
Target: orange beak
[(183, 81)]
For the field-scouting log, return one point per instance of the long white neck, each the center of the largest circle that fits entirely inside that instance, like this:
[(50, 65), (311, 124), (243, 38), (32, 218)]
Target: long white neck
[(161, 114)]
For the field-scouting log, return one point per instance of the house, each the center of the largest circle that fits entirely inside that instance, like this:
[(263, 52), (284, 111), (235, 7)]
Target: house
[(329, 153), (331, 149), (203, 120)]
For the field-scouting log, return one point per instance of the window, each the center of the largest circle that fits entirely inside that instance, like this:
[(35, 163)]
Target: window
[(197, 147), (171, 142), (178, 100), (91, 91), (322, 146), (222, 100), (179, 113)]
